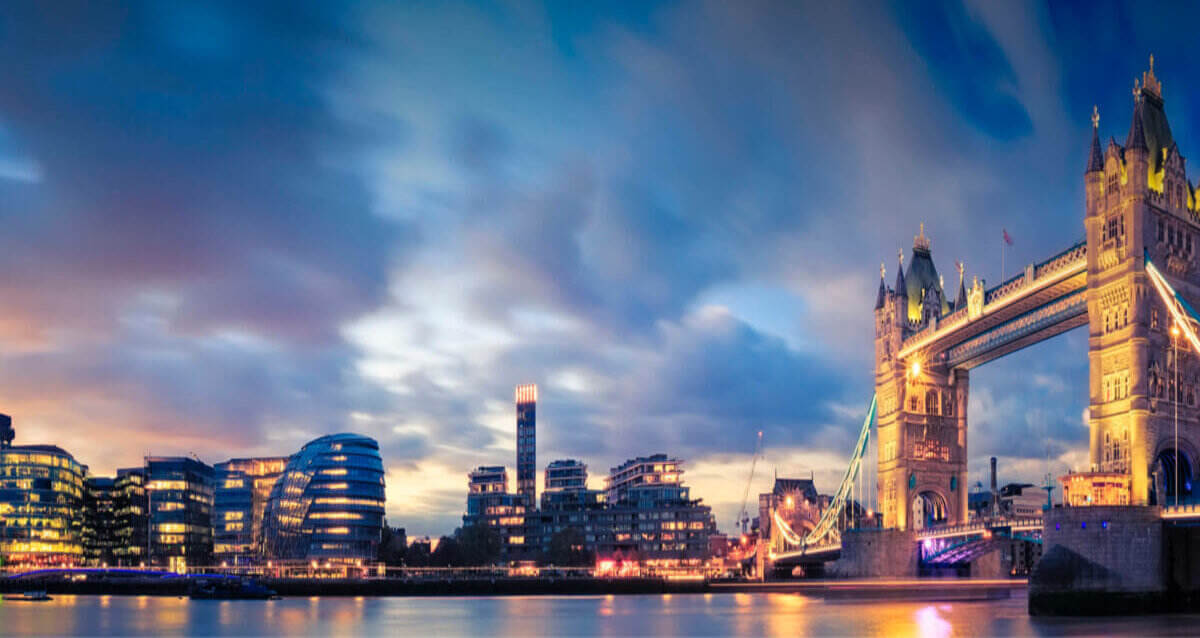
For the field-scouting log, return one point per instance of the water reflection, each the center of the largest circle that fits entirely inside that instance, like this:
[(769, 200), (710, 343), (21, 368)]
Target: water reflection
[(775, 614)]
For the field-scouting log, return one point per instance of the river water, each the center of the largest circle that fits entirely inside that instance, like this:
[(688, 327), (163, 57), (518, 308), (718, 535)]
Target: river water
[(759, 614)]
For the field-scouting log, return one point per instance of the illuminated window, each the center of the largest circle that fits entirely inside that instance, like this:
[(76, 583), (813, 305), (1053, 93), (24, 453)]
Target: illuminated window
[(232, 483), (516, 540), (233, 516)]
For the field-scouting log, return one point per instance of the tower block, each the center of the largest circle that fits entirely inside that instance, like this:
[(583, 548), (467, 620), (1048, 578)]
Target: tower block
[(921, 409), (1139, 201)]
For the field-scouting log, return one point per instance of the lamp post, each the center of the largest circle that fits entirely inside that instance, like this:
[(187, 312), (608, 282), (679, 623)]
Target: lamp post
[(1175, 398)]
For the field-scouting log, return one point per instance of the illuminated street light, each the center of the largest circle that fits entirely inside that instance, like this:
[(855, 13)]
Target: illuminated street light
[(790, 502), (914, 371)]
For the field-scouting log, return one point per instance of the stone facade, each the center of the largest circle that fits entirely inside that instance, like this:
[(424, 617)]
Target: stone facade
[(1139, 202), (921, 411)]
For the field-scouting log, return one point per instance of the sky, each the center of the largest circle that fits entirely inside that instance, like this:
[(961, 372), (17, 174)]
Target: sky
[(229, 229)]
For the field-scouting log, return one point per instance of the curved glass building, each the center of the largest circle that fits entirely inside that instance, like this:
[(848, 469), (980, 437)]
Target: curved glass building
[(328, 504), (41, 506)]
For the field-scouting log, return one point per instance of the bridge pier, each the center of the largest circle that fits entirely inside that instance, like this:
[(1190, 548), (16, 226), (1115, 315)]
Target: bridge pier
[(876, 553), (1100, 560)]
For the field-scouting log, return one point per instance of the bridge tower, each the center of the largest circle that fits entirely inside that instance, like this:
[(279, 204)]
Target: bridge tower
[(921, 413), (1139, 201)]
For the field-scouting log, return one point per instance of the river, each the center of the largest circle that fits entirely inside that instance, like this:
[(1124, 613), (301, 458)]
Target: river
[(759, 614)]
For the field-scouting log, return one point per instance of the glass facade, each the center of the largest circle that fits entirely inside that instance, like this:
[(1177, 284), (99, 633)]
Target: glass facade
[(242, 489), (526, 399), (180, 495), (130, 534), (328, 504), (98, 521), (41, 506)]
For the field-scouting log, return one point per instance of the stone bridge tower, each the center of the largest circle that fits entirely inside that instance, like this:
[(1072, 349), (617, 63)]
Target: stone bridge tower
[(1139, 201), (921, 408)]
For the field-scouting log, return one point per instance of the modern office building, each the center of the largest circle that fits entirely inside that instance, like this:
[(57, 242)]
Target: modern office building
[(654, 517), (627, 481), (567, 474), (99, 539), (526, 399), (41, 504), (645, 514), (180, 497), (240, 499), (328, 504), (490, 503), (131, 534)]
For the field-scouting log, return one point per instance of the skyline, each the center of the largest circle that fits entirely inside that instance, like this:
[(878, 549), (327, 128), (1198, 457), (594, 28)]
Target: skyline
[(381, 220)]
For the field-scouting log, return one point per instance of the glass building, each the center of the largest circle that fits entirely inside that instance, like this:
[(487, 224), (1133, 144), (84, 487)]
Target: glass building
[(131, 538), (98, 520), (328, 504), (567, 474), (41, 505), (242, 489), (526, 398), (180, 497)]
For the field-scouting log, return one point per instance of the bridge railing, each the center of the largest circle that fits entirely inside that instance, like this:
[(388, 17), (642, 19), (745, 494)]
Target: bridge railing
[(1070, 258), (980, 525), (1189, 510)]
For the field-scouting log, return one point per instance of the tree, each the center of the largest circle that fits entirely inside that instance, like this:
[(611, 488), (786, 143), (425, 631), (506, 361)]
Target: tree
[(447, 553), (568, 548), (478, 545)]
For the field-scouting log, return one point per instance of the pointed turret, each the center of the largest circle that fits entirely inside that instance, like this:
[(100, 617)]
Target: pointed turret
[(901, 285), (1095, 157), (961, 302), (882, 296), (1136, 140)]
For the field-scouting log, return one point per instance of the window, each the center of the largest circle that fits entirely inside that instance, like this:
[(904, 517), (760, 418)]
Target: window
[(931, 402)]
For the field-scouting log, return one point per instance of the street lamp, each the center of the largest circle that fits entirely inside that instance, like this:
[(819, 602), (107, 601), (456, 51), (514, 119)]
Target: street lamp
[(1175, 398)]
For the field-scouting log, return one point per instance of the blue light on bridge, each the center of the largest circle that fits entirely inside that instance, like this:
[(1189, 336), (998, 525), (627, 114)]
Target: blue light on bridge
[(1103, 524), (1083, 525)]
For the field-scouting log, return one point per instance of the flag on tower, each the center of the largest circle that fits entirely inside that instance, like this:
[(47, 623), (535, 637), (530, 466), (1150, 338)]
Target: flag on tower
[(1007, 239)]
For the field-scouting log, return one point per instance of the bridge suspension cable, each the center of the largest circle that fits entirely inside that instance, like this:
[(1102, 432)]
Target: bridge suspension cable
[(827, 529), (1181, 311)]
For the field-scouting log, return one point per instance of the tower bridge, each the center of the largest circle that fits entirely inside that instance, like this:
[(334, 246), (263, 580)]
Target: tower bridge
[(1133, 281)]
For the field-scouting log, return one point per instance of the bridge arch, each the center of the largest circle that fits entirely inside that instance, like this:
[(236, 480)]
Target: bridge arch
[(1166, 468), (929, 506)]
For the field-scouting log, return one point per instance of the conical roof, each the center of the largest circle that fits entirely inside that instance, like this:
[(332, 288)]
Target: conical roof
[(922, 276), (1095, 157)]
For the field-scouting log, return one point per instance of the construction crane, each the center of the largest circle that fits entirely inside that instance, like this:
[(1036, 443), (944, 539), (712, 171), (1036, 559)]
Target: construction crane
[(744, 517)]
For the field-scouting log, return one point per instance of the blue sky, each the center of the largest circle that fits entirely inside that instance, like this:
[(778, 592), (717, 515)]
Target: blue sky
[(229, 230)]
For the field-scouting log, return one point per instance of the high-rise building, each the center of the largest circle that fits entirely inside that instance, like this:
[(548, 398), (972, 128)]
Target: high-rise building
[(99, 521), (131, 535), (242, 489), (180, 496), (41, 505), (653, 515), (490, 503), (328, 504), (566, 474), (526, 398)]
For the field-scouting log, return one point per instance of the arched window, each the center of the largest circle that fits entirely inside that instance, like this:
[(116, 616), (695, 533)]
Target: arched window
[(931, 402), (914, 403)]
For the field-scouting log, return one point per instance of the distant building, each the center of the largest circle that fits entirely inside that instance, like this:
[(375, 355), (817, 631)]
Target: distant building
[(654, 518), (490, 503), (627, 481), (99, 522), (328, 505), (131, 535), (567, 474), (6, 431), (526, 399), (41, 505), (242, 489), (796, 500), (180, 497)]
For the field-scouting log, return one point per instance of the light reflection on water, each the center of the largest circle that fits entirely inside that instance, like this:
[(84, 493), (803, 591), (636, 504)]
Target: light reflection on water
[(774, 614)]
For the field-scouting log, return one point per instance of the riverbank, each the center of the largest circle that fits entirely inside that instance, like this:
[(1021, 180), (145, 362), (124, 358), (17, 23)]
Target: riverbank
[(885, 589)]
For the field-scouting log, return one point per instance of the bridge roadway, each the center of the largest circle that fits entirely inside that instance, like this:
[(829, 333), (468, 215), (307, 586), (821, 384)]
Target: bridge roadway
[(1045, 300)]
